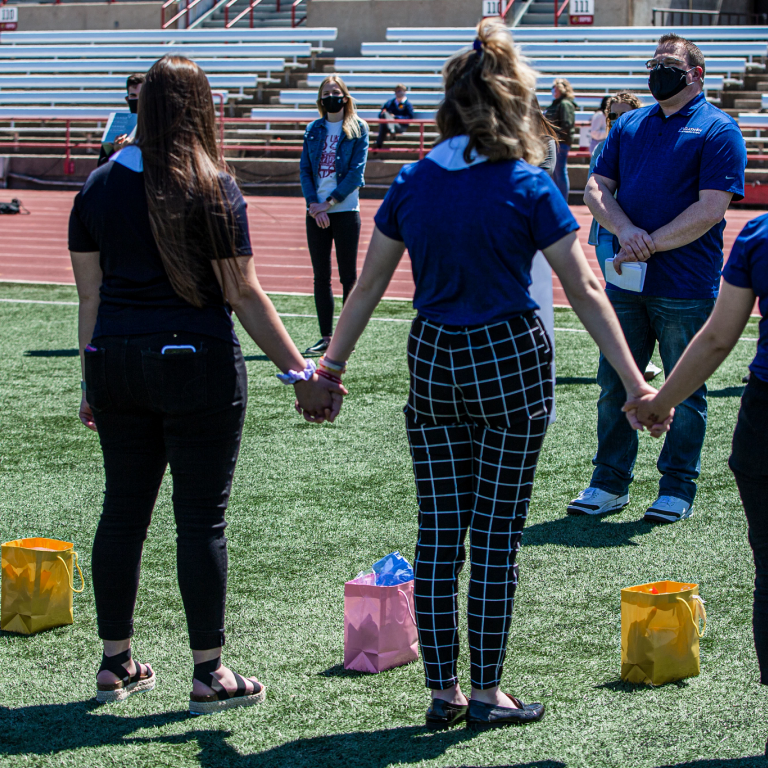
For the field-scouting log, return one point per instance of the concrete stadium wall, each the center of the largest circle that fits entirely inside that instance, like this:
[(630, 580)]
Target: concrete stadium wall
[(134, 15)]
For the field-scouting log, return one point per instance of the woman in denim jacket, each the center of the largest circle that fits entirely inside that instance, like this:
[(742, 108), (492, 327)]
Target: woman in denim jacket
[(332, 168)]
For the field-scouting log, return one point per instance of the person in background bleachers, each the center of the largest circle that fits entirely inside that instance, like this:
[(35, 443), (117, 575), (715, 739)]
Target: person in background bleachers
[(562, 114), (598, 129), (133, 88), (332, 170), (398, 108), (662, 185)]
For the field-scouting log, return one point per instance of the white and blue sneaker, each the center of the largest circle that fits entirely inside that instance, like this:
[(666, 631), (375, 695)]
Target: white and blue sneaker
[(668, 509), (593, 501)]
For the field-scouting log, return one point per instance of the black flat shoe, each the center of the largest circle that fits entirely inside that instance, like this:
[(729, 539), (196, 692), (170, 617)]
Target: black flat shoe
[(482, 716), (442, 714), (317, 349)]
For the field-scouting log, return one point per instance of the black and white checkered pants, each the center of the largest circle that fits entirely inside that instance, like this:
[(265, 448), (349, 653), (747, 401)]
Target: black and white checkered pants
[(476, 418)]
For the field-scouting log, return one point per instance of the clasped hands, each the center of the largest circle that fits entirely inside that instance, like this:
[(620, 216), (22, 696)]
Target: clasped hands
[(318, 211), (644, 411), (636, 245), (319, 399)]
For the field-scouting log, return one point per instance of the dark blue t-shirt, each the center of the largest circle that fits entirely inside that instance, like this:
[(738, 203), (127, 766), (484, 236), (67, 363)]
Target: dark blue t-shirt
[(747, 267), (110, 215), (660, 164), (472, 234)]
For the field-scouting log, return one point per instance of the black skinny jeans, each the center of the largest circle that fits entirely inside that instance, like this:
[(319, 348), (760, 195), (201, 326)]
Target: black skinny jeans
[(344, 231), (749, 464), (154, 410)]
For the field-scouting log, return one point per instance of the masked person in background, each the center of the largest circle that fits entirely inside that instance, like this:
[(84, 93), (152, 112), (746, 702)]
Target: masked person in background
[(133, 88), (398, 108), (662, 184), (332, 168)]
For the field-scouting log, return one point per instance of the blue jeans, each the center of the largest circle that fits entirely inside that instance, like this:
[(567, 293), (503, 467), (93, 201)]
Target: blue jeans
[(673, 323), (560, 176)]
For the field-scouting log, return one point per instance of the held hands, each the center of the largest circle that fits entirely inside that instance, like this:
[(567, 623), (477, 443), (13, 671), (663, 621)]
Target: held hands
[(643, 411), (86, 414), (319, 399), (636, 245), (318, 212)]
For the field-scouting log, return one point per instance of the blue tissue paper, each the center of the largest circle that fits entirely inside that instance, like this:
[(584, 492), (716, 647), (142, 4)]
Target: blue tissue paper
[(392, 569)]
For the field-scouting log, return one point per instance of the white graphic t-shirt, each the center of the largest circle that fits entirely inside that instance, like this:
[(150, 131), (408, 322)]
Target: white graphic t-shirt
[(326, 173)]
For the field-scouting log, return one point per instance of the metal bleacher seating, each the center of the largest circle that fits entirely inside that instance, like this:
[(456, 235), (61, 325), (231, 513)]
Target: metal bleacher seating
[(316, 36), (584, 34), (115, 98)]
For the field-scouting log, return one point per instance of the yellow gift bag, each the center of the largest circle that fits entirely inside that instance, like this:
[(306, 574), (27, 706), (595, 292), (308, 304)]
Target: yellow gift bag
[(660, 632), (37, 584)]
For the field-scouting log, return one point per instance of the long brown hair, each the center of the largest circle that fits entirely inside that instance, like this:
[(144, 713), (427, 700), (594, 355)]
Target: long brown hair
[(489, 96), (350, 126), (190, 217)]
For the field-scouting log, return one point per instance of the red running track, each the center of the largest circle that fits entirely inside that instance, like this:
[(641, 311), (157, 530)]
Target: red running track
[(34, 248)]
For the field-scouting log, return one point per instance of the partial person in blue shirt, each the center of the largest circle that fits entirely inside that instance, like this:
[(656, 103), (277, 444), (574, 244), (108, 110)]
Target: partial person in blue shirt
[(745, 278), (397, 108), (673, 168)]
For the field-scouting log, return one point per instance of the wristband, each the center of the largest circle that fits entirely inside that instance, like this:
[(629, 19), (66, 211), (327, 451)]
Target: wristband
[(332, 366), (291, 377), (329, 376)]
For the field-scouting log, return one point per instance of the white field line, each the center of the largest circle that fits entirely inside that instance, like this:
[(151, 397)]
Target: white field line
[(293, 314)]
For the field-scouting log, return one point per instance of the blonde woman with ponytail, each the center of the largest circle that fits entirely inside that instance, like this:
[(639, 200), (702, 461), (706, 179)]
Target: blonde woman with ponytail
[(332, 170), (472, 215), (161, 256)]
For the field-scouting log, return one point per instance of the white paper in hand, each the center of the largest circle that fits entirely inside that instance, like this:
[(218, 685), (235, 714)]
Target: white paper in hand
[(632, 277)]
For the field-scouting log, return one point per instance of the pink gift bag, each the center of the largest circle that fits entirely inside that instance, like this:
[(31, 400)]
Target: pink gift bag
[(379, 626)]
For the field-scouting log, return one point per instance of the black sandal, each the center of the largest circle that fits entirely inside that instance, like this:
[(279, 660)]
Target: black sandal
[(221, 699), (142, 680)]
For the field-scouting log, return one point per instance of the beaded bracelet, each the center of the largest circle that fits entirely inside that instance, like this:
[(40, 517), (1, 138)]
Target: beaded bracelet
[(291, 377)]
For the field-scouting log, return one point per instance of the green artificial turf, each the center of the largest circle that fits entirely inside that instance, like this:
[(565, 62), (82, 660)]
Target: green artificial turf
[(313, 505)]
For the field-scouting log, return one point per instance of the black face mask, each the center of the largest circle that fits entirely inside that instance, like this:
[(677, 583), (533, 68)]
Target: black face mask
[(332, 104), (666, 82), (133, 105)]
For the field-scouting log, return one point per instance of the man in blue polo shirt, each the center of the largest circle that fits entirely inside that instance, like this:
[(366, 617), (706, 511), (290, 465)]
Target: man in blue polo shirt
[(674, 168)]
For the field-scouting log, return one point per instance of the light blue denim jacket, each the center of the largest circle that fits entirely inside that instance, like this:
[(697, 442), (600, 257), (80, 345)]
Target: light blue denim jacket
[(351, 156)]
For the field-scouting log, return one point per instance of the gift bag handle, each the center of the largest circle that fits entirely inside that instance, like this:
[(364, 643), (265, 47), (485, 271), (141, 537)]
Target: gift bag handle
[(72, 575), (700, 610), (408, 603)]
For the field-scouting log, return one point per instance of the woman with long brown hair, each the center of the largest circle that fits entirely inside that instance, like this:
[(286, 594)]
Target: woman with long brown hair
[(472, 215), (332, 170), (161, 255)]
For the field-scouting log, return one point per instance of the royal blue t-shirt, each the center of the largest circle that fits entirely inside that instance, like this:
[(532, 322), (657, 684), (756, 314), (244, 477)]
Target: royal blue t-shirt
[(472, 232), (660, 164), (110, 215), (747, 267)]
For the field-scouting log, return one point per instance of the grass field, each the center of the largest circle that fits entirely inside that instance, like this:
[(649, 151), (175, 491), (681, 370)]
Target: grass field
[(313, 505)]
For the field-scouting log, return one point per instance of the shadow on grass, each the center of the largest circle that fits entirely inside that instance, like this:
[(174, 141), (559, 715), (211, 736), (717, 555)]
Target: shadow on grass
[(51, 353), (338, 671), (49, 728), (259, 358), (735, 762), (726, 392), (363, 749), (560, 380), (621, 686), (585, 531)]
